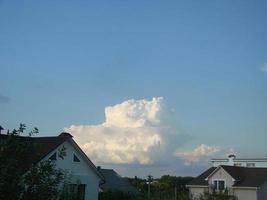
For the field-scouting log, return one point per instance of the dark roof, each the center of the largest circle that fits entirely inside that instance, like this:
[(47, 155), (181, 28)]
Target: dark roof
[(42, 147), (244, 176), (252, 177), (200, 180), (234, 171), (113, 181)]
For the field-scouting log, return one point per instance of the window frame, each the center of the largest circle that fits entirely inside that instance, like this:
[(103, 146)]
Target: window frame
[(79, 188), (250, 164), (53, 157), (238, 164), (217, 187), (74, 154)]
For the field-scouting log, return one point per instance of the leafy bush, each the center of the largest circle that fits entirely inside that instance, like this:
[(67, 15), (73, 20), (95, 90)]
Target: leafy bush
[(115, 195)]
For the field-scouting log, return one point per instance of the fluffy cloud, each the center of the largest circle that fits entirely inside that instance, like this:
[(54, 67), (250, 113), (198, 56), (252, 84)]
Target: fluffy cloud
[(131, 133), (202, 152), (134, 114), (264, 67), (137, 132)]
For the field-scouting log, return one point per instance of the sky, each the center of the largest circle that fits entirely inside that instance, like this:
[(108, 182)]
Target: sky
[(145, 87)]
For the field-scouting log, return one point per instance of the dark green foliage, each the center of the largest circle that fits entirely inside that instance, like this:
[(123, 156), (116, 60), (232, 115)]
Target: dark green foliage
[(12, 162), (164, 188), (17, 181), (72, 191), (62, 152), (42, 181), (115, 195)]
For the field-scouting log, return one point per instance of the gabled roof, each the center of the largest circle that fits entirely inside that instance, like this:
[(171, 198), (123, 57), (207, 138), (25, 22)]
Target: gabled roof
[(201, 179), (243, 176), (114, 181), (45, 145)]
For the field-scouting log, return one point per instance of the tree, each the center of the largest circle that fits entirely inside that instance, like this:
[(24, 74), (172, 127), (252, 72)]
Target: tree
[(12, 161), (165, 188), (42, 181), (17, 181)]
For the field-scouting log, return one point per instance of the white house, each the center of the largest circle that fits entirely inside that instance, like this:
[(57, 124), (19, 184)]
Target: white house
[(75, 161), (232, 160), (245, 183)]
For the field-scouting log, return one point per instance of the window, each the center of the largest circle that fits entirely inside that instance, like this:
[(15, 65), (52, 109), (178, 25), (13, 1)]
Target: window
[(219, 185), (76, 191), (54, 156), (75, 158), (250, 164), (238, 164)]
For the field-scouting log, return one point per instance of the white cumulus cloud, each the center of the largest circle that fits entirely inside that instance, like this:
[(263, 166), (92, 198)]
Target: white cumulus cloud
[(131, 133), (134, 114), (198, 154)]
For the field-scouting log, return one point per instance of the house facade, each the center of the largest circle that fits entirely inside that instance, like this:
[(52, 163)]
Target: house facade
[(232, 160), (79, 166), (242, 182), (68, 156)]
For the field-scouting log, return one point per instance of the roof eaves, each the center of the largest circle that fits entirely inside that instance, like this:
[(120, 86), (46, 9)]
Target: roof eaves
[(217, 168), (52, 149), (244, 187), (196, 186)]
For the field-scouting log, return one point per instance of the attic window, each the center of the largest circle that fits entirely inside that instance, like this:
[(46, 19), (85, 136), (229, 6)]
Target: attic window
[(54, 156), (219, 185), (75, 158)]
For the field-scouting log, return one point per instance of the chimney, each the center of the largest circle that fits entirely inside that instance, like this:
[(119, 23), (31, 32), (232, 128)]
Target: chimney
[(231, 158), (1, 128), (65, 134)]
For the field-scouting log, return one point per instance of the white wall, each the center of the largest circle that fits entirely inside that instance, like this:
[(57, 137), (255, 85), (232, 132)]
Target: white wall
[(246, 194), (79, 170), (221, 174)]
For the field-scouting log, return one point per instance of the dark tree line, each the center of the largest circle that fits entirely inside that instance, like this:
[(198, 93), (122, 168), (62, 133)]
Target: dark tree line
[(165, 188)]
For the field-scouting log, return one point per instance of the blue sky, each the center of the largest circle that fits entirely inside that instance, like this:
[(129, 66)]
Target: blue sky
[(63, 62)]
